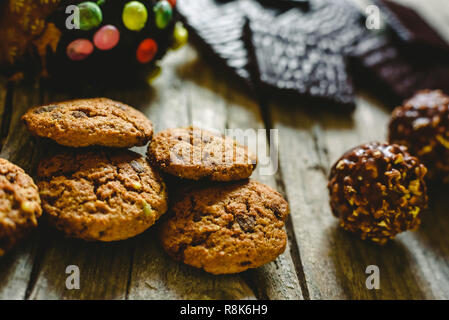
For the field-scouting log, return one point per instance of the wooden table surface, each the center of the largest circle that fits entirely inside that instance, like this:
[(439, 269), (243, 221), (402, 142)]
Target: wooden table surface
[(321, 260)]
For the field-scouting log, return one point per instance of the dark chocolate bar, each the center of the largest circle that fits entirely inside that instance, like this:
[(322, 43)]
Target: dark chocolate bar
[(218, 27), (308, 40), (303, 52), (379, 60), (409, 26)]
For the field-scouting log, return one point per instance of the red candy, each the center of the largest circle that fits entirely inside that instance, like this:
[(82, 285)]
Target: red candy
[(146, 51), (172, 3), (106, 37), (79, 49)]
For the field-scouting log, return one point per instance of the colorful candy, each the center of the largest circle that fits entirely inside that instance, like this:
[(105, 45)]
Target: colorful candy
[(90, 15), (146, 51), (154, 74), (180, 35), (135, 15), (107, 37), (172, 3), (163, 13), (79, 49)]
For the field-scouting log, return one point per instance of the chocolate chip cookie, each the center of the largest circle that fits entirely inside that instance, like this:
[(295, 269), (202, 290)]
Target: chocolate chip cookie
[(90, 122), (226, 228), (103, 195), (20, 205), (192, 153)]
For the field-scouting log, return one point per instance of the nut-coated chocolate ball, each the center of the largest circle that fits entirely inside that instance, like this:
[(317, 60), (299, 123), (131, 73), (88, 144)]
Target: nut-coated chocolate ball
[(422, 124), (377, 190)]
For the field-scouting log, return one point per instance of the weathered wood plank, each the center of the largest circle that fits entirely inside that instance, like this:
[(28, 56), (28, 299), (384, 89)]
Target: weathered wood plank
[(334, 261), (431, 247), (154, 274), (16, 267), (18, 146), (104, 269)]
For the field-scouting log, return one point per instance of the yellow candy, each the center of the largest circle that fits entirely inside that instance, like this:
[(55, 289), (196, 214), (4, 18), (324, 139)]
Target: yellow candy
[(180, 36), (154, 74), (135, 15)]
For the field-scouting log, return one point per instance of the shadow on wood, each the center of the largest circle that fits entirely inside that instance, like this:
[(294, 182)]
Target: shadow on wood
[(351, 256)]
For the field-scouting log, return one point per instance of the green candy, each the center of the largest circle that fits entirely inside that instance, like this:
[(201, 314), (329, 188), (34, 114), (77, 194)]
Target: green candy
[(90, 15), (163, 13)]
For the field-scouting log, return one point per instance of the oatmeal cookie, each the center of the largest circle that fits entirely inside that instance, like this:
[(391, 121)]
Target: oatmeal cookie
[(20, 205), (90, 122), (104, 195), (226, 228), (196, 154)]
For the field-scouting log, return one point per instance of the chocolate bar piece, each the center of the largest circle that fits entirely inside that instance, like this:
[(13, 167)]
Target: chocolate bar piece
[(286, 3), (303, 52), (379, 60), (218, 27), (415, 58), (409, 26), (308, 43)]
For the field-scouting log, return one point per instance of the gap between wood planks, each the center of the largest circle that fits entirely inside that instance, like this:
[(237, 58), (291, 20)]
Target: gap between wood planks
[(294, 248), (42, 244)]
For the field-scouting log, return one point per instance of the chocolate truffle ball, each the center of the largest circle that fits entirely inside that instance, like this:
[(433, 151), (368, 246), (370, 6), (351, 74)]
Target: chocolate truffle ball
[(422, 124), (377, 190)]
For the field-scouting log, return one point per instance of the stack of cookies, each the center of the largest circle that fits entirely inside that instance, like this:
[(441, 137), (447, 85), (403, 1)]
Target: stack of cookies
[(222, 223), (101, 191), (98, 190)]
